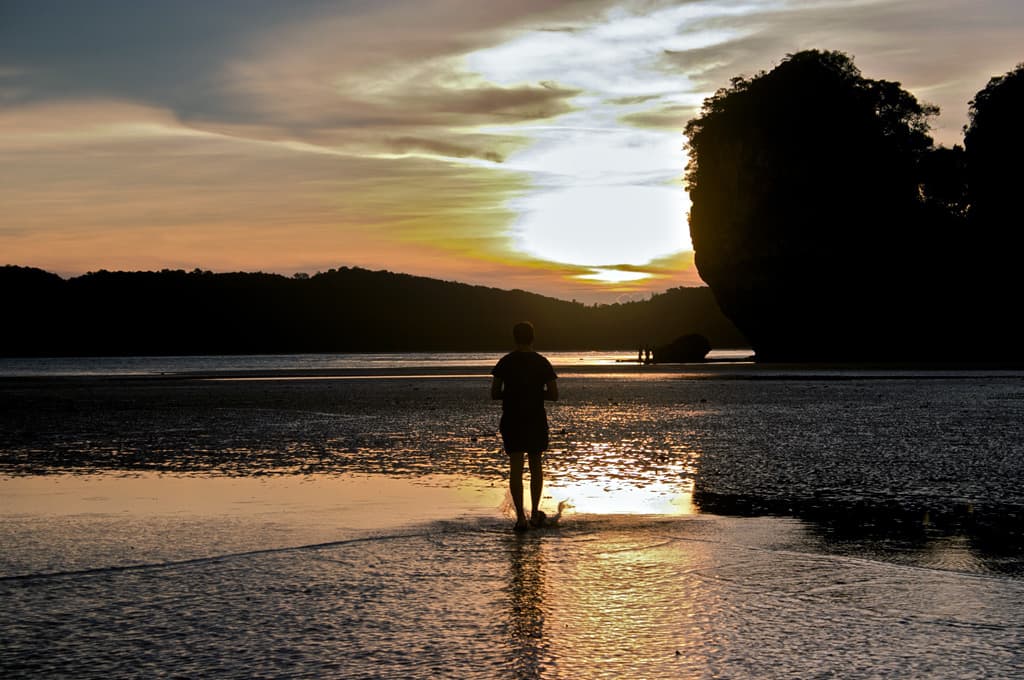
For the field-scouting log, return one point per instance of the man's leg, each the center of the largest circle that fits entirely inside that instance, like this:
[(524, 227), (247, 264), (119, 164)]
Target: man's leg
[(515, 484), (536, 481)]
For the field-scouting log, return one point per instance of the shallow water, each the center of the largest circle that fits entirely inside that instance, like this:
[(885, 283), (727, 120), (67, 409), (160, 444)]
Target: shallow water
[(759, 522), (597, 596)]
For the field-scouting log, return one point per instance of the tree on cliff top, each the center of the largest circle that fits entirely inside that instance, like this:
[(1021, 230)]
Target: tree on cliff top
[(994, 140), (994, 247)]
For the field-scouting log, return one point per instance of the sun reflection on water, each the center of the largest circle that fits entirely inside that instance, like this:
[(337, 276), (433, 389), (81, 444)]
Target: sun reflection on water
[(624, 458), (621, 491), (656, 499)]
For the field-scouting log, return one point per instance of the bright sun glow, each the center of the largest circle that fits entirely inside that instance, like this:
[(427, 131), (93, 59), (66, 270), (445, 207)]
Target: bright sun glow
[(603, 226), (614, 276), (604, 193)]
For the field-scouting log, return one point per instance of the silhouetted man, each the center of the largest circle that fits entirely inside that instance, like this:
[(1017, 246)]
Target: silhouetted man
[(523, 380)]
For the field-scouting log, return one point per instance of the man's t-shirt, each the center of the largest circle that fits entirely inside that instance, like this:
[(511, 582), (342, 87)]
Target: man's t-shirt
[(524, 375)]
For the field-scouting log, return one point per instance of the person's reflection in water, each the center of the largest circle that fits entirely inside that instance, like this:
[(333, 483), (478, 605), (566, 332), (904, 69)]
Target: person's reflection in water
[(527, 645)]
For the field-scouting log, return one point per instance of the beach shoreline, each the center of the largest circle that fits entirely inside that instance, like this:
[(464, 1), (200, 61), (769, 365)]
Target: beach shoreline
[(337, 577)]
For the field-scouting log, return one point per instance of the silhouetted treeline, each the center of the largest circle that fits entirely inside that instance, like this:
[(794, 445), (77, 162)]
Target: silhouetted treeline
[(343, 310), (830, 226)]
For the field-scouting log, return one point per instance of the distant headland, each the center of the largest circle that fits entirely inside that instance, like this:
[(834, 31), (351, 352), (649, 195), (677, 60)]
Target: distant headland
[(174, 312)]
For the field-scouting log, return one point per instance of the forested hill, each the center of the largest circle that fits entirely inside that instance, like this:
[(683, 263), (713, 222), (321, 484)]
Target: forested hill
[(342, 310)]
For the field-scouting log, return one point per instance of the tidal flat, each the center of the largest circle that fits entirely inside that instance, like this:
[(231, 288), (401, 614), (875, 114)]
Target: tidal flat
[(720, 521)]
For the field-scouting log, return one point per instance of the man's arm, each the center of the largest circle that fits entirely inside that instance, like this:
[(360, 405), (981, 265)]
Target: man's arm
[(551, 391), (496, 388)]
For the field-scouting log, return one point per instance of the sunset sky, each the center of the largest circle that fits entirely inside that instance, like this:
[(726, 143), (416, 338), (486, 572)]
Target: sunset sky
[(533, 144)]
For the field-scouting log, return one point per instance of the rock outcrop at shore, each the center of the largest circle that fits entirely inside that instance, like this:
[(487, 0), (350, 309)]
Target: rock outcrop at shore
[(684, 349), (828, 224)]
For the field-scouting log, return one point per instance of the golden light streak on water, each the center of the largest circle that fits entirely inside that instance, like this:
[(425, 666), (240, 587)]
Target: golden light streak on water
[(608, 496)]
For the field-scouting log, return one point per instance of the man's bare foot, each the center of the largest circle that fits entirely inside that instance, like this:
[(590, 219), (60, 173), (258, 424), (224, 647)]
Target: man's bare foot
[(520, 525), (538, 519)]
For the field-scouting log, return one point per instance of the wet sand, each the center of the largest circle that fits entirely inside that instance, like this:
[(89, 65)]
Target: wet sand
[(766, 438), (730, 522)]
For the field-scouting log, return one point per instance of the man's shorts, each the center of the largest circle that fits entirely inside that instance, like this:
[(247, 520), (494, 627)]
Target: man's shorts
[(524, 435)]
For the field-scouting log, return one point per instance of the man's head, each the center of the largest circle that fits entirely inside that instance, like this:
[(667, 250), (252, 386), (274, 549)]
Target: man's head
[(522, 332)]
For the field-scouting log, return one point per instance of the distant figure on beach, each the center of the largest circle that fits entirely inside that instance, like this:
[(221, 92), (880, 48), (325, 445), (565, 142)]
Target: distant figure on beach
[(524, 380)]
